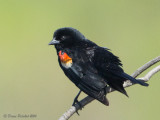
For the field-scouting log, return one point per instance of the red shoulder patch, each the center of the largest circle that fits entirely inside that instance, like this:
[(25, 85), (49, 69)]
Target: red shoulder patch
[(64, 57)]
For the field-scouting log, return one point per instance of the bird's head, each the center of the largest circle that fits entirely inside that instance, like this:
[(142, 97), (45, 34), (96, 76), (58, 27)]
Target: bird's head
[(66, 37)]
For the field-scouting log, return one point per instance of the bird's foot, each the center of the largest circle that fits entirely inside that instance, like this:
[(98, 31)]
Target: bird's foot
[(78, 103)]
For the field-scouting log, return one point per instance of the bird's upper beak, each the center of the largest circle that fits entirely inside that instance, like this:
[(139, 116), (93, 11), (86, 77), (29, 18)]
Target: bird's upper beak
[(54, 42)]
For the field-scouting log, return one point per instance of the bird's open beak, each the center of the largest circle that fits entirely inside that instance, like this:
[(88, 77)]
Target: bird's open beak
[(54, 42)]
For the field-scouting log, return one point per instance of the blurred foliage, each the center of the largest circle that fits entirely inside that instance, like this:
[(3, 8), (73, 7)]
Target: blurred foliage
[(31, 81)]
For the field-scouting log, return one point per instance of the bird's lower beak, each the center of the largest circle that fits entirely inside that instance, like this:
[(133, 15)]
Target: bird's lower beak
[(54, 42)]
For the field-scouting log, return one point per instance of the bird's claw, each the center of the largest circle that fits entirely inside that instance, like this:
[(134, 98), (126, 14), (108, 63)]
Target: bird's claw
[(79, 104)]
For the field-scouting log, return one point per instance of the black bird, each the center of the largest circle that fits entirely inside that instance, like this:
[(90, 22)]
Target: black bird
[(90, 67)]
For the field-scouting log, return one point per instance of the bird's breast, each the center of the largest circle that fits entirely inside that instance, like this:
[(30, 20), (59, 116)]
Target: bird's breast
[(66, 61)]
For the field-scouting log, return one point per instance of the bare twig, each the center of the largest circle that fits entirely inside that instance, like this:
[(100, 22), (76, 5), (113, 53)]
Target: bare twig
[(145, 67), (128, 83), (151, 73)]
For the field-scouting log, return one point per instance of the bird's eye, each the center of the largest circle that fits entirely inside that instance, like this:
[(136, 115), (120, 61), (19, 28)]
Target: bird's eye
[(63, 37)]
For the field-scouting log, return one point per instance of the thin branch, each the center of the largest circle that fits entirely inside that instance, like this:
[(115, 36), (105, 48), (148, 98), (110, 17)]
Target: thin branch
[(128, 83), (151, 73), (145, 67)]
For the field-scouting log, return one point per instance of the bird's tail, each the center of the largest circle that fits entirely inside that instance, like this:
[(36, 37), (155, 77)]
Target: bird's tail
[(135, 80)]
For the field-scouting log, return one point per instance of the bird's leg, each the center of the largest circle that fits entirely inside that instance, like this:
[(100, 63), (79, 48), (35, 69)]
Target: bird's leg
[(76, 101), (76, 98)]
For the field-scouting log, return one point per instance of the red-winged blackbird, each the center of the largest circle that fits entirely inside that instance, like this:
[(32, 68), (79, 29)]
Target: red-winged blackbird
[(90, 67)]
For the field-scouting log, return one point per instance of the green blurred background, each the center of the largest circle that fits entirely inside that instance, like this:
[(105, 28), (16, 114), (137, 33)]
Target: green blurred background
[(31, 81)]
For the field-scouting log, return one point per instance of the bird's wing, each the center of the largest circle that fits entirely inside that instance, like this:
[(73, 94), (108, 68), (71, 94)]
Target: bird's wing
[(87, 73)]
